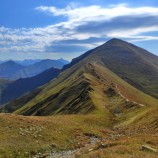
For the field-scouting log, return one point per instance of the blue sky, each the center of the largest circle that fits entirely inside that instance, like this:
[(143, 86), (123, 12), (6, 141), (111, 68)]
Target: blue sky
[(31, 29)]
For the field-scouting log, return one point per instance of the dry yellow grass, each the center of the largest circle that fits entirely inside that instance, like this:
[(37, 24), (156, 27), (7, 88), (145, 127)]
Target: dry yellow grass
[(20, 136), (23, 136)]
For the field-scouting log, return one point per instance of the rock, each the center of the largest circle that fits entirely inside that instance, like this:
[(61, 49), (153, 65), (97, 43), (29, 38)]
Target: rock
[(53, 145), (148, 148), (90, 150), (103, 146)]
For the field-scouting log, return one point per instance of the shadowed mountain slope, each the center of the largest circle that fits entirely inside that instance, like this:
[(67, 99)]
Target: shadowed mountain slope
[(133, 64), (3, 83), (19, 87), (9, 68)]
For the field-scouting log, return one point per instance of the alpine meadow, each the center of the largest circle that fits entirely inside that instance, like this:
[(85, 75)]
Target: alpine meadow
[(78, 79)]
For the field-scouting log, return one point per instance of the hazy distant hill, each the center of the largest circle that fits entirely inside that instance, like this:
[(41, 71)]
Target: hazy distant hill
[(14, 70), (17, 88), (63, 61), (9, 68), (1, 62), (27, 61), (37, 68)]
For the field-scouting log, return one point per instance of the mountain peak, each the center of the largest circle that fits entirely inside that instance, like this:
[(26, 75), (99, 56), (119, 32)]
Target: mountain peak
[(63, 61), (114, 40), (10, 62)]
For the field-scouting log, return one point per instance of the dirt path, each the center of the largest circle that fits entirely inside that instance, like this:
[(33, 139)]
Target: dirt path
[(70, 153), (119, 92)]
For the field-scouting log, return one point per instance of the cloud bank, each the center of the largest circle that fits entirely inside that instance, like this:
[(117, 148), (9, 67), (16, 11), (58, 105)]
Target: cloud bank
[(83, 28)]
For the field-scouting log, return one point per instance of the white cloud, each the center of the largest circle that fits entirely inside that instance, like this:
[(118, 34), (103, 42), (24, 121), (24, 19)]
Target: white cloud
[(37, 39), (132, 33), (97, 13)]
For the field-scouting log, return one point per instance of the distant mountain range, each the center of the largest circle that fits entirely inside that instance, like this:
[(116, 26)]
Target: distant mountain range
[(27, 62), (28, 68), (31, 61)]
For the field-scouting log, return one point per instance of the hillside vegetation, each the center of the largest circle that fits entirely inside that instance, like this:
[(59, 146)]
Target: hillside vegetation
[(91, 110)]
